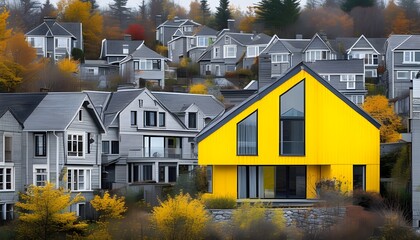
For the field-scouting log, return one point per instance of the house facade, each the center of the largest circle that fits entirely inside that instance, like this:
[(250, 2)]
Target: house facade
[(144, 68), (150, 135), (54, 137), (172, 28), (55, 40), (279, 142), (402, 66)]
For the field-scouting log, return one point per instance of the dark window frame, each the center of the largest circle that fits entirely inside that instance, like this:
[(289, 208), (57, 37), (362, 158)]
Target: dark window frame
[(237, 135), (192, 124), (43, 152), (133, 118), (162, 119), (147, 116)]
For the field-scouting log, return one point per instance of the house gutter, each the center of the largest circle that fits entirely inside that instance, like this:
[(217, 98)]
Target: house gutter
[(57, 176), (27, 159)]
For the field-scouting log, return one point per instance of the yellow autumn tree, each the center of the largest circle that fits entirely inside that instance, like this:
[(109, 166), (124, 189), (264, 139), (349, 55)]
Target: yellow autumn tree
[(92, 22), (180, 217), (379, 108), (195, 11), (109, 207), (198, 88), (247, 22), (44, 213), (68, 65)]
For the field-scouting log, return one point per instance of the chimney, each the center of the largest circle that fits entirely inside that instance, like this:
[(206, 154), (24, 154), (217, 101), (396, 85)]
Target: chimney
[(299, 36), (158, 20), (231, 24), (49, 19), (176, 18), (127, 37)]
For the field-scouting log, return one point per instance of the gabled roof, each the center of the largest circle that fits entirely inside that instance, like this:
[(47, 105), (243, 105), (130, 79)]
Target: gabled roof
[(394, 40), (412, 42), (212, 127), (115, 47), (315, 37), (178, 102), (177, 23), (53, 28), (56, 112), (20, 104), (296, 45), (117, 102), (275, 46), (99, 100), (144, 52), (205, 56), (354, 66)]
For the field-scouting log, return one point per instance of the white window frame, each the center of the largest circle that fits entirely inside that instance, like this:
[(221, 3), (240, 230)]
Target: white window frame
[(216, 52), (36, 173), (410, 57), (145, 64), (406, 73), (3, 184), (252, 51), (350, 79), (373, 71), (87, 185), (280, 58), (202, 41), (77, 208), (227, 40), (326, 77), (83, 144), (227, 48), (370, 59), (38, 42), (314, 55), (125, 49)]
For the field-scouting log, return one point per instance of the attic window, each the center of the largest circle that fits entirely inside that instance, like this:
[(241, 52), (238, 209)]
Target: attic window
[(227, 40), (125, 49), (80, 115), (187, 29)]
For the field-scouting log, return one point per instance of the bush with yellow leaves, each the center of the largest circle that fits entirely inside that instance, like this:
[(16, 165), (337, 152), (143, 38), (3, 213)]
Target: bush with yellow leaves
[(109, 207), (180, 217)]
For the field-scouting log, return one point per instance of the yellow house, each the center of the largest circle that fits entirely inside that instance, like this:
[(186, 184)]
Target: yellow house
[(279, 142)]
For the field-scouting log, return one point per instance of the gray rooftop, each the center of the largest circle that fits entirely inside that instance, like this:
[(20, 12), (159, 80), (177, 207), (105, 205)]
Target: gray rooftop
[(20, 104), (178, 102), (144, 52), (355, 66), (115, 47), (205, 31), (117, 102)]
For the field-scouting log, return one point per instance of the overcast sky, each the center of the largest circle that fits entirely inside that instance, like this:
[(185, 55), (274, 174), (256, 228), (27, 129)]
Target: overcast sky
[(243, 4)]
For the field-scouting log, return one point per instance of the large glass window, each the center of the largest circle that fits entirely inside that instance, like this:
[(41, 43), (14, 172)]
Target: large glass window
[(149, 64), (78, 179), (150, 118), (229, 51), (292, 121), (411, 57), (247, 134), (280, 58), (359, 177), (272, 182), (75, 145)]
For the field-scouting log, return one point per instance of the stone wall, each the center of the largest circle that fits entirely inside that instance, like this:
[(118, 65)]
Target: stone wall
[(300, 217)]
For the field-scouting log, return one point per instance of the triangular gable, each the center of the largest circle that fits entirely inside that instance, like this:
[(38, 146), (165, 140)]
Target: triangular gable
[(268, 89), (178, 32), (40, 30), (10, 111), (318, 42), (276, 46), (362, 43), (411, 43)]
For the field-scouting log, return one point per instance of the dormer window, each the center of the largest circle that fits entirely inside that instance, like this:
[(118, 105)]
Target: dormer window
[(187, 28), (192, 120), (125, 49)]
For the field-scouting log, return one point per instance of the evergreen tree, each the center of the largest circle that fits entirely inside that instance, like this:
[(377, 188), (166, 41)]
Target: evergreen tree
[(222, 14), (47, 9), (277, 14), (93, 3), (120, 12), (411, 7), (205, 10), (348, 5)]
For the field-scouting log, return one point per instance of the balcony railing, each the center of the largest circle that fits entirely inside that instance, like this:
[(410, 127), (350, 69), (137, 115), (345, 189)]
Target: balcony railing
[(161, 153)]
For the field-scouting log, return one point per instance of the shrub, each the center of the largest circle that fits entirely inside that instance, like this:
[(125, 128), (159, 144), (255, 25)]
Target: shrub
[(246, 215), (109, 207), (219, 202), (395, 227), (368, 200), (180, 217)]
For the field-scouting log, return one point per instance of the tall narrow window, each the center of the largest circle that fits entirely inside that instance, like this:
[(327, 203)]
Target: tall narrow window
[(105, 147), (150, 119), (80, 115), (7, 148), (292, 121), (161, 119), (359, 177), (247, 133), (40, 145), (192, 120), (133, 118), (75, 145), (210, 179), (115, 147)]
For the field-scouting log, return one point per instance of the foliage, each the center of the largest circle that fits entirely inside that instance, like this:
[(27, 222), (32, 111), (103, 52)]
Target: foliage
[(162, 50), (218, 202), (380, 109), (222, 14), (395, 227), (195, 11), (194, 182), (136, 31), (247, 214), (205, 11), (180, 217), (198, 88), (348, 5), (68, 66), (43, 212), (78, 55), (92, 22), (368, 200), (120, 11), (277, 14), (109, 207), (247, 22)]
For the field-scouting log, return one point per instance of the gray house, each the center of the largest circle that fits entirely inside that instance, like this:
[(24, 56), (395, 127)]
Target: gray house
[(113, 51), (150, 135), (169, 29), (402, 66), (231, 51), (55, 40), (51, 137), (347, 76), (144, 68), (191, 44)]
